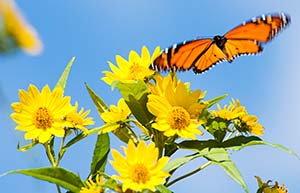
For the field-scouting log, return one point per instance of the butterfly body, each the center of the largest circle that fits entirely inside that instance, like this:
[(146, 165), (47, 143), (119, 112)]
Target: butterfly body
[(201, 54)]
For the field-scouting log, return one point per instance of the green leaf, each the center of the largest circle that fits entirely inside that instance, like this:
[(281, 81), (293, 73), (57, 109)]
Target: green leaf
[(64, 76), (59, 176), (213, 101), (98, 101), (26, 147), (170, 149), (124, 133), (198, 145), (111, 183), (139, 109), (136, 97), (163, 189), (240, 142), (136, 89), (220, 156), (101, 151), (178, 162)]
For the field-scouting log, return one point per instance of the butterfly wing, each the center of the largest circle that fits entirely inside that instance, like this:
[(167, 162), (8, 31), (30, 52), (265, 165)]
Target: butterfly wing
[(208, 59), (201, 54), (261, 29), (182, 56), (247, 38)]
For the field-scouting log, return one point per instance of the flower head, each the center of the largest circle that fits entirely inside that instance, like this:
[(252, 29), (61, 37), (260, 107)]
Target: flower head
[(40, 114), (78, 120), (18, 29), (140, 169), (177, 111), (239, 115), (136, 68), (264, 187), (114, 115), (93, 187)]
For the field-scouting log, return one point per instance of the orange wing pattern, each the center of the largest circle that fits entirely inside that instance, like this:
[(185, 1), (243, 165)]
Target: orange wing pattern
[(202, 54)]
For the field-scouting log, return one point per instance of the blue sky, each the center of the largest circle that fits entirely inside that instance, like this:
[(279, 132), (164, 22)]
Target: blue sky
[(95, 31)]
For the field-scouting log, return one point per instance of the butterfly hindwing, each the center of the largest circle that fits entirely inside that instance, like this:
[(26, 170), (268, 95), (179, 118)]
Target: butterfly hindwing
[(210, 57), (235, 48)]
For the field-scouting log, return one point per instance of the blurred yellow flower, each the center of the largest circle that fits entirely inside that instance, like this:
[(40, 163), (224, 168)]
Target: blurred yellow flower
[(93, 187), (78, 120), (136, 68), (40, 114), (18, 29), (140, 169), (177, 112), (114, 115)]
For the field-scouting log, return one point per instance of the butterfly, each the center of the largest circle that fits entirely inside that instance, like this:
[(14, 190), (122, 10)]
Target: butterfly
[(202, 54)]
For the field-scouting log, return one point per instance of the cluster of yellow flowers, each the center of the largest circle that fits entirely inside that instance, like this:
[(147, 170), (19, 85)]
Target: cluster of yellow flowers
[(240, 117), (177, 112)]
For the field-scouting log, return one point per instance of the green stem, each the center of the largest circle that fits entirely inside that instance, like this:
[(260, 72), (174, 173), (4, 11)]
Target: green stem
[(189, 174), (50, 156), (58, 188), (61, 150), (51, 159)]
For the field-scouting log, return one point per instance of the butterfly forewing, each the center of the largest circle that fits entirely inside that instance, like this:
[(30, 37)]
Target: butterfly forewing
[(261, 29)]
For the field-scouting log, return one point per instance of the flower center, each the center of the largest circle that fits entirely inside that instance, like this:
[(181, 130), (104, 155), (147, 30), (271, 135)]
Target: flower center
[(140, 174), (137, 72), (43, 119), (179, 118)]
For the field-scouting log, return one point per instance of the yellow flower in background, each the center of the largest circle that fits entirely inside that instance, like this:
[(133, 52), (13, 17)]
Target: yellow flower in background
[(228, 113), (40, 114), (140, 169), (136, 68), (234, 111), (250, 122), (18, 29), (114, 115), (177, 112), (93, 187), (78, 120), (162, 83)]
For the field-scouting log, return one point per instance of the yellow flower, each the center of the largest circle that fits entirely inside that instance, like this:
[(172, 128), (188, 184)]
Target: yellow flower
[(162, 83), (234, 111), (251, 125), (93, 187), (136, 68), (114, 115), (78, 120), (228, 113), (264, 187), (140, 169), (40, 114), (280, 189), (16, 27), (177, 112)]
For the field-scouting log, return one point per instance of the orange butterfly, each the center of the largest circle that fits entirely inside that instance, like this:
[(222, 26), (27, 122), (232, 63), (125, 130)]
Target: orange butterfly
[(202, 54)]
